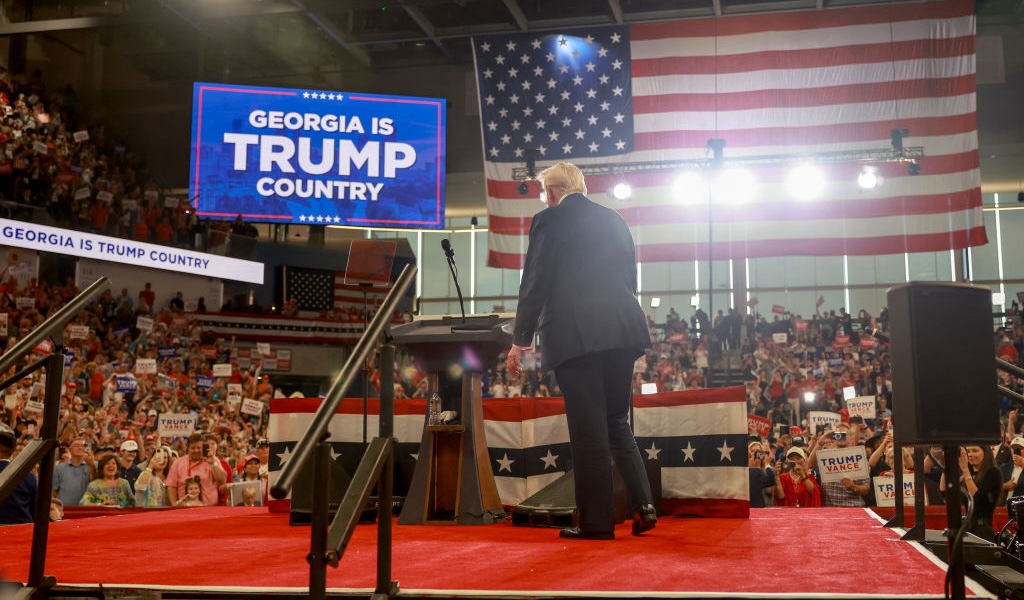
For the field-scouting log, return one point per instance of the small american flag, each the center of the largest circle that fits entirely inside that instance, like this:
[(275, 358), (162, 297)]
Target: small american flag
[(323, 289), (313, 289)]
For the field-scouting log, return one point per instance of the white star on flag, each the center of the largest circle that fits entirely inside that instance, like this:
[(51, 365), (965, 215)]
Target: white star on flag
[(726, 451), (653, 451), (550, 460), (506, 463), (284, 456), (688, 452)]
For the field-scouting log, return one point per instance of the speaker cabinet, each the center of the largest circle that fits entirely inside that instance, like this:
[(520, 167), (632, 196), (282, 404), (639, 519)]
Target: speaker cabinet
[(943, 364)]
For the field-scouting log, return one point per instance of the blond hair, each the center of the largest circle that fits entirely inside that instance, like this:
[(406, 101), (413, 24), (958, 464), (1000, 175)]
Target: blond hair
[(566, 175)]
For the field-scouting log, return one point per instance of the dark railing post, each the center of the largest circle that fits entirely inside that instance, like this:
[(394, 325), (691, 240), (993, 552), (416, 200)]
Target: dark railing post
[(318, 537), (51, 415), (385, 484)]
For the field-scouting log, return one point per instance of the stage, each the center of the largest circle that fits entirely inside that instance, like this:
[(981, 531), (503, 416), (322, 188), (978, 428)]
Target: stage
[(246, 552)]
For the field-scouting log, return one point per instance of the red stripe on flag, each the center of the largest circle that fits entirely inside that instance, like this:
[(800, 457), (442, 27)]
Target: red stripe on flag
[(803, 20), (865, 246)]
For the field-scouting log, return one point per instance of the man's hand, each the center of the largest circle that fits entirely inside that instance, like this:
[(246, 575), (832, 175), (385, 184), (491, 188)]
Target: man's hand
[(514, 361)]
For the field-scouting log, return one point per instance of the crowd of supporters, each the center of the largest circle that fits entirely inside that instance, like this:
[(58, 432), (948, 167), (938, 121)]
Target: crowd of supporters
[(54, 164)]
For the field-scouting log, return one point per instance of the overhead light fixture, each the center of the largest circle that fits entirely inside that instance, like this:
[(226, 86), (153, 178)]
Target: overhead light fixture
[(913, 168), (689, 188), (868, 178), (523, 188), (735, 186), (622, 191), (805, 182)]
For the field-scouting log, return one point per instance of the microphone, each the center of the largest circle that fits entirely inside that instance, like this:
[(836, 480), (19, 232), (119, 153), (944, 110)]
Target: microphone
[(878, 335), (448, 252)]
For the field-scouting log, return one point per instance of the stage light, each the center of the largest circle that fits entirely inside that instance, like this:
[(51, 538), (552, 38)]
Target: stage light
[(913, 168), (648, 388), (868, 178), (523, 188), (655, 302), (809, 397), (622, 191), (689, 188), (735, 186), (805, 182)]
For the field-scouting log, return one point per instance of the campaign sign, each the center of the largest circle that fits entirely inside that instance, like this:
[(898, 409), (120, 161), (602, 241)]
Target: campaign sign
[(145, 365), (176, 425), (780, 338), (34, 406), (885, 489), (836, 463), (317, 157), (126, 384), (204, 382), (251, 407), (144, 324), (222, 370), (818, 418), (79, 332), (863, 406), (759, 425)]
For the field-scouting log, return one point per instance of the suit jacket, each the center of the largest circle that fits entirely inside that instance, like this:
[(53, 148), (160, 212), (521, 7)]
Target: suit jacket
[(579, 284)]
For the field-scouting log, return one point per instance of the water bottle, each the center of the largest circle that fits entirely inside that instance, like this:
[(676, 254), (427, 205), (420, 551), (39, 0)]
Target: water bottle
[(434, 409)]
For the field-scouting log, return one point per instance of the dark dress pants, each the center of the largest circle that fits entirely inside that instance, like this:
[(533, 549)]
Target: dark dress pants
[(597, 391)]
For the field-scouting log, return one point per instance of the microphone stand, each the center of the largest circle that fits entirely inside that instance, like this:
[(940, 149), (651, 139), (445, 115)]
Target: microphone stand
[(450, 254), (486, 325)]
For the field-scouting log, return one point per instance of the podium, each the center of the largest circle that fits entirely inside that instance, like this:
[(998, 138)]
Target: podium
[(453, 483)]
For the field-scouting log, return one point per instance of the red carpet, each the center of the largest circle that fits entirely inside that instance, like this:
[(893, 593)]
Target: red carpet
[(776, 552)]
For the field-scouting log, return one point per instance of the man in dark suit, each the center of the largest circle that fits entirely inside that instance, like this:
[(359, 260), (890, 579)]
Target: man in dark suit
[(578, 292)]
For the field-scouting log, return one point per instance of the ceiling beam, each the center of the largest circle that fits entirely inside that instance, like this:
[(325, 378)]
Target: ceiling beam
[(616, 10), (424, 23), (335, 35), (517, 14)]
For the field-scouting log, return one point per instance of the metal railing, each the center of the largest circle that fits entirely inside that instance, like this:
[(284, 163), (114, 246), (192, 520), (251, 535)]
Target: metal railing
[(375, 468), (42, 451)]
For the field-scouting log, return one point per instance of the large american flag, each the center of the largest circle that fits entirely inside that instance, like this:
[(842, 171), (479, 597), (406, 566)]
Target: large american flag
[(631, 99), (698, 437)]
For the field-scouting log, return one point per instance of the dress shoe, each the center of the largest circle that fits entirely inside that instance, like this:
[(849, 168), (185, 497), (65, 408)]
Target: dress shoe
[(575, 533), (644, 519)]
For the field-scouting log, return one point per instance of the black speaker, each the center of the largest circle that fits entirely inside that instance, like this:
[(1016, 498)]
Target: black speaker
[(943, 364), (302, 492)]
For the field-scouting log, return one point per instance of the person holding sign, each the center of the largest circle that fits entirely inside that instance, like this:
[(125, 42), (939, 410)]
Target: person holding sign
[(848, 491), (980, 478)]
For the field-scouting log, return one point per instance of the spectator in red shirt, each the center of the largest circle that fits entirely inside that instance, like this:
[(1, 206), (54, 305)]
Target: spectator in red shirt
[(147, 297)]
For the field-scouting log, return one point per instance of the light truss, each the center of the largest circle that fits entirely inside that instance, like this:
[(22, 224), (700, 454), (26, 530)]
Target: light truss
[(910, 154)]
